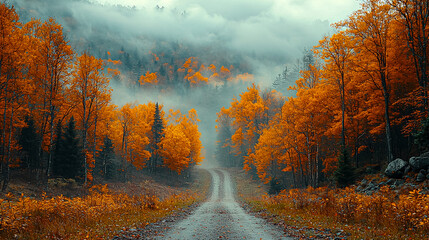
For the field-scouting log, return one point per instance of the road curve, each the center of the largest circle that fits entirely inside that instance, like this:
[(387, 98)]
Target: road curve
[(222, 217)]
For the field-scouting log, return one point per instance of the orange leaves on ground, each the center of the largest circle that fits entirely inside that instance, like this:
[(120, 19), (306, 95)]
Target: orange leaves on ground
[(382, 213), (99, 215)]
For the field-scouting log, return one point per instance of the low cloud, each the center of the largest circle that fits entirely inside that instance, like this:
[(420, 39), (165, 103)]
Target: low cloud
[(271, 32)]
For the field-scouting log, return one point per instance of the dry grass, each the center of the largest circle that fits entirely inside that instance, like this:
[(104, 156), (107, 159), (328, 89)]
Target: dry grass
[(98, 215), (323, 213)]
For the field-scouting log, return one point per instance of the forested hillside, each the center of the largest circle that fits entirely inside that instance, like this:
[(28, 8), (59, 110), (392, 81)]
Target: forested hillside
[(58, 119), (361, 102)]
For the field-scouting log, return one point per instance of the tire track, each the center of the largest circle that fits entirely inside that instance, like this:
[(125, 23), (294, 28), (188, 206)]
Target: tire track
[(222, 217)]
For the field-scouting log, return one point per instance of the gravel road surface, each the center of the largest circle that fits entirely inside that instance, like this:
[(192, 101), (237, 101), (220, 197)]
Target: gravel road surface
[(222, 217)]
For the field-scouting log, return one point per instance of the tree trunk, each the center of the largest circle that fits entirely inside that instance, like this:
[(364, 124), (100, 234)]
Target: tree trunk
[(387, 118), (94, 150), (51, 141), (5, 166), (343, 111), (6, 173)]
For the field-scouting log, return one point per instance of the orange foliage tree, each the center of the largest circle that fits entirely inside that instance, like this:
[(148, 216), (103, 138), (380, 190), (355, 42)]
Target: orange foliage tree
[(14, 89), (90, 93), (183, 126), (370, 28), (50, 69)]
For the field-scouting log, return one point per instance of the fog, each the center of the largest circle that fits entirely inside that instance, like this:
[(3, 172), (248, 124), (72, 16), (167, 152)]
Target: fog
[(259, 37)]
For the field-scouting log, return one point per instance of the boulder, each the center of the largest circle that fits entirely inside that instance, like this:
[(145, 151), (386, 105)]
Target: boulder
[(421, 162), (420, 177), (396, 168), (407, 170)]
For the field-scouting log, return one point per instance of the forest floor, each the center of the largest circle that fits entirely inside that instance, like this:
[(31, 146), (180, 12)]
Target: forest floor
[(325, 213), (69, 211)]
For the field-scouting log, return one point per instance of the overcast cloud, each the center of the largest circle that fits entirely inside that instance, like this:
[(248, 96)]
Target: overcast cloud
[(271, 32)]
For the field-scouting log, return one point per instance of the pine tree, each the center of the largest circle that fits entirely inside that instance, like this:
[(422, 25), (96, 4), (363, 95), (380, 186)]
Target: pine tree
[(29, 144), (105, 162), (157, 135), (345, 174), (422, 136), (68, 161)]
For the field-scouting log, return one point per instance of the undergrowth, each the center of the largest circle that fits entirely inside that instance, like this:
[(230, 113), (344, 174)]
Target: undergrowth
[(98, 215), (383, 215)]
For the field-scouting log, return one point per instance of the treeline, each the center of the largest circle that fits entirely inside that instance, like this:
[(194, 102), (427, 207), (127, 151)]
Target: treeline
[(57, 118), (183, 75), (361, 100), (137, 53)]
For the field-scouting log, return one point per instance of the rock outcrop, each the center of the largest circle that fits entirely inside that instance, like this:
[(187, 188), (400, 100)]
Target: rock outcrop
[(396, 169), (421, 162)]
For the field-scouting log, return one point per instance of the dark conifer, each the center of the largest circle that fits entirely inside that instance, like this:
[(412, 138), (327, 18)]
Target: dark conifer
[(422, 136), (345, 173), (157, 135), (68, 160), (29, 143), (105, 162)]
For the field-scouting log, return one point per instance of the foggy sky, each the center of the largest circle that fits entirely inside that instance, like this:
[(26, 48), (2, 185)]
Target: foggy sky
[(271, 33)]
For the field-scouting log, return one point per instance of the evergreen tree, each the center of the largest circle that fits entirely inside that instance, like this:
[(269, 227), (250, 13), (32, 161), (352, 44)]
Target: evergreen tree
[(345, 173), (105, 162), (157, 135), (422, 136), (29, 144), (68, 161)]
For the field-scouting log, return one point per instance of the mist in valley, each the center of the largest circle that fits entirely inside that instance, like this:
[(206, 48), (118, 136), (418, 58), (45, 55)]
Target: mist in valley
[(259, 38)]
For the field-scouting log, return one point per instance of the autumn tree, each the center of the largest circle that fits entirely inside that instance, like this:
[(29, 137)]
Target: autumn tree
[(370, 28), (189, 154), (247, 114), (14, 90), (337, 57), (90, 90), (50, 69), (414, 16), (175, 148), (129, 133)]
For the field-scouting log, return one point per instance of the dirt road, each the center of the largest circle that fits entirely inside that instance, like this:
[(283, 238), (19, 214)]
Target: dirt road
[(222, 217)]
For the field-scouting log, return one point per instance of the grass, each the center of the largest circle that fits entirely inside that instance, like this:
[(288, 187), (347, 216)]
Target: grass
[(98, 215), (326, 213)]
